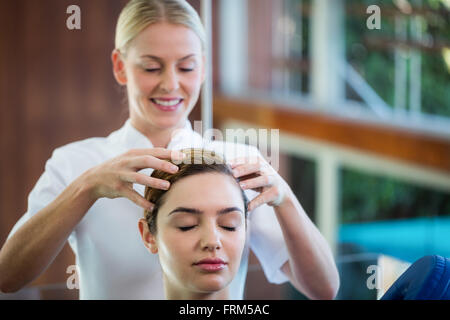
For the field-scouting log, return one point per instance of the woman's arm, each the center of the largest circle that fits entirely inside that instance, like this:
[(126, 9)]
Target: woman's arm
[(311, 267), (31, 249)]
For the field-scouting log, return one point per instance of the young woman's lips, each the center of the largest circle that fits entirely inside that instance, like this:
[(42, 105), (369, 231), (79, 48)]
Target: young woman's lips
[(166, 105), (211, 265)]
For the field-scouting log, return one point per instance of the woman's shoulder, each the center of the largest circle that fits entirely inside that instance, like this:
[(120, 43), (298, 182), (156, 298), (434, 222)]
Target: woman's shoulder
[(81, 147), (93, 146), (78, 156)]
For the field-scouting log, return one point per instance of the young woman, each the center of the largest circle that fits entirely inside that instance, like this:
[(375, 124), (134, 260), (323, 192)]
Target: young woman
[(89, 190), (197, 228)]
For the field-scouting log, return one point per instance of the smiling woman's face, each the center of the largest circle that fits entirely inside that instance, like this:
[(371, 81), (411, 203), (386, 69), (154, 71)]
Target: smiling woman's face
[(201, 233), (163, 72)]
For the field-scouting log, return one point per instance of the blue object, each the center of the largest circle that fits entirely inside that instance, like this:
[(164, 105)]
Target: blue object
[(426, 279), (408, 239)]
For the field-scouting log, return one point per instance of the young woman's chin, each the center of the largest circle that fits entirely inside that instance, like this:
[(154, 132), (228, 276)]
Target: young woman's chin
[(210, 283), (163, 123), (166, 119)]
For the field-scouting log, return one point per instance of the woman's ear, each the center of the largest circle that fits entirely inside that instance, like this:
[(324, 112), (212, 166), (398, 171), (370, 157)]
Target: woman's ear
[(147, 237), (119, 67)]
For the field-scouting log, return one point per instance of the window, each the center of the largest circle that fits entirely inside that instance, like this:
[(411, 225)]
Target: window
[(321, 55)]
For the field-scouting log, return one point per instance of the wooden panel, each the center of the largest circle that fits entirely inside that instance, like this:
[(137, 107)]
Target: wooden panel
[(415, 148)]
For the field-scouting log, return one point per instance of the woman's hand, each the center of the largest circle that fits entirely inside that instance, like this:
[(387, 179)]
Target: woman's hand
[(311, 267), (115, 178), (257, 174)]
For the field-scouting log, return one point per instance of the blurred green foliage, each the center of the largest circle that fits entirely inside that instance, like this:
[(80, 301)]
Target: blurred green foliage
[(367, 197), (377, 64)]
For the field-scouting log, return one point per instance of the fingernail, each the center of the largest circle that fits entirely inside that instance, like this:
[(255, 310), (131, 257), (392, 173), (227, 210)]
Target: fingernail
[(242, 184), (165, 185)]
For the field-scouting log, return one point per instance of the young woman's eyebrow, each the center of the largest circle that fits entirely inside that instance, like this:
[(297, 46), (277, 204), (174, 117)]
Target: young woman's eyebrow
[(230, 209), (184, 209), (197, 211), (160, 60)]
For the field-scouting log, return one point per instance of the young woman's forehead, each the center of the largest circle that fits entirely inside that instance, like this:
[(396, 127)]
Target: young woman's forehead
[(159, 39), (149, 57), (207, 190), (199, 212)]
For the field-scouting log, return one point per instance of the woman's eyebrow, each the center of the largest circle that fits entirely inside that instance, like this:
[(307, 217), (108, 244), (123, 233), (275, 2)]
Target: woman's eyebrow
[(230, 209), (160, 60), (197, 211), (184, 209)]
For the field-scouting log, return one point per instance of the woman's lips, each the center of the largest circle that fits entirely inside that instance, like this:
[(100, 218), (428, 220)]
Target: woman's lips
[(211, 265), (167, 105)]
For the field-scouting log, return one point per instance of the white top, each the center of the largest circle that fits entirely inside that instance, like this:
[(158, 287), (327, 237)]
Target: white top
[(111, 258)]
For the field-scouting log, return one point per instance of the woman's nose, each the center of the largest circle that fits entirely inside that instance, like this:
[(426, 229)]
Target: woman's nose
[(210, 240), (169, 82)]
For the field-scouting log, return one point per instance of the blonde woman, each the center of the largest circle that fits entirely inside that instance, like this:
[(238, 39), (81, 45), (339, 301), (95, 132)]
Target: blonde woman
[(91, 191)]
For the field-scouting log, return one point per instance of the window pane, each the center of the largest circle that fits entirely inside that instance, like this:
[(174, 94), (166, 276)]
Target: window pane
[(406, 62)]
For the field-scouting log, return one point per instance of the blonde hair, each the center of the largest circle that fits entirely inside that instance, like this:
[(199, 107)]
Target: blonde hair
[(138, 14)]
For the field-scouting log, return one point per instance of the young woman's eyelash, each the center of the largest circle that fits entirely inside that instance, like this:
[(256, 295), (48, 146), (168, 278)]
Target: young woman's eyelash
[(229, 228), (151, 70), (182, 70), (186, 228), (191, 227)]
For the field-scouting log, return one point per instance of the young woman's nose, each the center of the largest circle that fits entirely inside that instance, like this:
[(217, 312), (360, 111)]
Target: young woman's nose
[(169, 81), (210, 239)]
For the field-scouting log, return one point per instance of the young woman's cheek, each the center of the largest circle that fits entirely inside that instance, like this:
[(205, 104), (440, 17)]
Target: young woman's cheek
[(174, 248), (181, 242), (192, 81), (146, 83), (235, 243)]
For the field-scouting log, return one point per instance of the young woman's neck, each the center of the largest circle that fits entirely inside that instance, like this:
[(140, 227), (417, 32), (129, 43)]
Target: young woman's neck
[(159, 138)]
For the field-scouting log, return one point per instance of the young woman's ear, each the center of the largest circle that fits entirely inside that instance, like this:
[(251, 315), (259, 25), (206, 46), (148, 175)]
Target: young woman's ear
[(119, 67), (147, 237)]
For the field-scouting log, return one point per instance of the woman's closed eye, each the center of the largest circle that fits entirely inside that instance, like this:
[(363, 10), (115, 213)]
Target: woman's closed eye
[(159, 69), (187, 228), (152, 70), (229, 228)]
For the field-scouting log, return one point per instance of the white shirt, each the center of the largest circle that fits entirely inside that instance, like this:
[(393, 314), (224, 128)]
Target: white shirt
[(111, 259)]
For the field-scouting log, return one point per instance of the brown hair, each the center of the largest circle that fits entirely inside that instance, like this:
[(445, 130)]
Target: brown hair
[(197, 161)]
